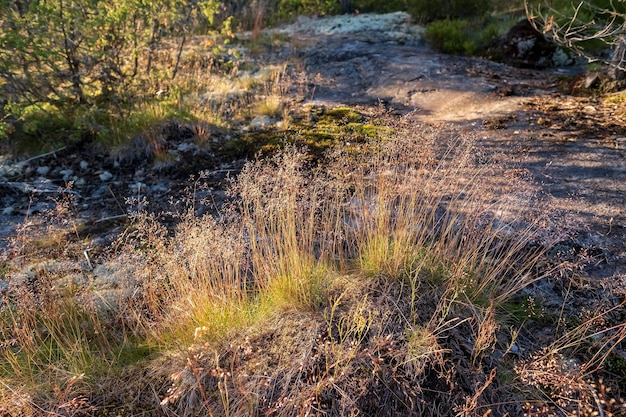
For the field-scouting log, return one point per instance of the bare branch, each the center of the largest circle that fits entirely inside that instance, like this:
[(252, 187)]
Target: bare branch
[(575, 30)]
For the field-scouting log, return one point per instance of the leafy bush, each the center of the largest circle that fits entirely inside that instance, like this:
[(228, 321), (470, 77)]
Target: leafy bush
[(450, 36), (380, 6), (428, 10), (290, 9), (74, 56), (462, 36)]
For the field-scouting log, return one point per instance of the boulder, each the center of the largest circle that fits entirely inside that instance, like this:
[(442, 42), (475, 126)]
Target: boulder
[(524, 47)]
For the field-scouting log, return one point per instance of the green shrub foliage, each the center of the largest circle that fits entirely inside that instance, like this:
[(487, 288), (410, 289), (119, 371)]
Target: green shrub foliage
[(87, 53), (428, 10), (461, 36)]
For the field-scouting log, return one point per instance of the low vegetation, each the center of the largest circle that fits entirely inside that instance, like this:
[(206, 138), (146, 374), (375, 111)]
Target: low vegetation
[(67, 86), (461, 37), (387, 281), (358, 267)]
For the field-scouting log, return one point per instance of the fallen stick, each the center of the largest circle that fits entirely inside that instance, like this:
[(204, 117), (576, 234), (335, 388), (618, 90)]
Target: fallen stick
[(106, 219), (43, 155)]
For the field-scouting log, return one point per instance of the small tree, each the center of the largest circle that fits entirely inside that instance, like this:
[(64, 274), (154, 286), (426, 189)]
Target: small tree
[(590, 28), (80, 55)]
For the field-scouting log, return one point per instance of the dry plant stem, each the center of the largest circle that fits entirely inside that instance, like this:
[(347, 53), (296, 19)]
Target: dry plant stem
[(574, 32), (193, 365), (366, 274), (33, 158)]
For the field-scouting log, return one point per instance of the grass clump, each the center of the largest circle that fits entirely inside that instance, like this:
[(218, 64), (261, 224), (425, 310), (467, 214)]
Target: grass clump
[(371, 284), (345, 255)]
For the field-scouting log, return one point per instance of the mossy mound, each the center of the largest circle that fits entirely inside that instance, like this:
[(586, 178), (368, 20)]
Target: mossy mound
[(317, 130)]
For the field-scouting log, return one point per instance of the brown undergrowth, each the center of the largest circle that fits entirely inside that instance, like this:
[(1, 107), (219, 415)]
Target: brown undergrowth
[(380, 281)]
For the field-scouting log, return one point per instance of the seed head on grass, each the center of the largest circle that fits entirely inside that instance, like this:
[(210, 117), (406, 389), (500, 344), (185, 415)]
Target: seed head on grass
[(402, 252), (368, 283)]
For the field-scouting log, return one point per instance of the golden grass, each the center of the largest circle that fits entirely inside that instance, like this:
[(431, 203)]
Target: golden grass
[(370, 284)]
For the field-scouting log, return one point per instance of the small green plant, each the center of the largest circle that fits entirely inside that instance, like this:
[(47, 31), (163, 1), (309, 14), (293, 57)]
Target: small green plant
[(462, 36), (288, 10), (428, 11)]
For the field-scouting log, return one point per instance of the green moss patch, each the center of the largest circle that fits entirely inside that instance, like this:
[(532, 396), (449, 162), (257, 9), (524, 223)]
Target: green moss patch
[(318, 130)]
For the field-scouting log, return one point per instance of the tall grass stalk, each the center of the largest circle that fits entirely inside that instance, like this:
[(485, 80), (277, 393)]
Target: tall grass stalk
[(396, 213), (413, 214), (51, 336), (286, 213)]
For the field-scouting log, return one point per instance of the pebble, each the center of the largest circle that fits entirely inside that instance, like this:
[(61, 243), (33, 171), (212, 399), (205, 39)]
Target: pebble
[(43, 170), (140, 174), (160, 187), (137, 187), (186, 147), (67, 174), (105, 176), (84, 165)]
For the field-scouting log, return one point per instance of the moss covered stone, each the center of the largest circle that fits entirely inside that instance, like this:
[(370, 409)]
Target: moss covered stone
[(317, 130)]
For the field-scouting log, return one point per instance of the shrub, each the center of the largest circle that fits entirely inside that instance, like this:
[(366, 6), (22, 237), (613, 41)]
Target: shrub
[(290, 9), (54, 59), (462, 36), (379, 6), (428, 11), (450, 36)]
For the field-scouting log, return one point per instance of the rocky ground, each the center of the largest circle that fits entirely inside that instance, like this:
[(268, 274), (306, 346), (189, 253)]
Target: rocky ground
[(570, 148)]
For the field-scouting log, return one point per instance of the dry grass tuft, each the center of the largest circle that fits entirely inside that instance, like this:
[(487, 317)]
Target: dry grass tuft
[(372, 284)]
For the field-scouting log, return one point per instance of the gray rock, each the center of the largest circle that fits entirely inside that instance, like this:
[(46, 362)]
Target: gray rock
[(592, 80), (560, 58), (43, 170), (67, 174), (105, 176), (137, 187), (140, 174), (261, 122), (186, 147), (160, 187), (84, 165), (40, 207)]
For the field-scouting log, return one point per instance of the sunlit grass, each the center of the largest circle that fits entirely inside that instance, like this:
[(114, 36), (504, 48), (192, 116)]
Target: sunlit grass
[(391, 262)]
